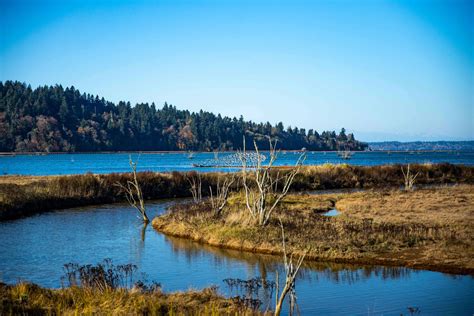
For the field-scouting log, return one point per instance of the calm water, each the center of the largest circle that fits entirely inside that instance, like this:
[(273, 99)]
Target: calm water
[(118, 162), (35, 249)]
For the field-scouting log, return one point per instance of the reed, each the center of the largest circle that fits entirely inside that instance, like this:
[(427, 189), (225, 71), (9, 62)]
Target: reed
[(105, 289), (30, 299), (26, 195), (426, 228)]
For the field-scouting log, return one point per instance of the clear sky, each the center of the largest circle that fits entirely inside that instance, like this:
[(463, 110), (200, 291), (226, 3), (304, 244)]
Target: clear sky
[(386, 70)]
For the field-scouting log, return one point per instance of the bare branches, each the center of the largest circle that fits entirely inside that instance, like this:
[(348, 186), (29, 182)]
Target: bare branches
[(219, 200), (291, 270), (133, 192), (346, 154), (409, 178), (263, 197), (195, 182)]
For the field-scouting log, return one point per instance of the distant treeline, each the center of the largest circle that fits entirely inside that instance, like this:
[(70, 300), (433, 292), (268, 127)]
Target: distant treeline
[(54, 119), (437, 145)]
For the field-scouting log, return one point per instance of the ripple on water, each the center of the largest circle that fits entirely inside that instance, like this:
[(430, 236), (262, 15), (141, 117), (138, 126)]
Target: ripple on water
[(35, 249)]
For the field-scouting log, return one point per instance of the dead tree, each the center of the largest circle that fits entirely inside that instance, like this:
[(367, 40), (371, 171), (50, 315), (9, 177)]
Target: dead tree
[(264, 195), (409, 178), (291, 270), (346, 154), (133, 192), (219, 200), (195, 182)]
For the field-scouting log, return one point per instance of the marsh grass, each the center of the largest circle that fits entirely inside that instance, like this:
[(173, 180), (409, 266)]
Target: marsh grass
[(413, 233), (102, 276), (26, 195), (251, 292), (30, 299), (58, 192), (105, 289)]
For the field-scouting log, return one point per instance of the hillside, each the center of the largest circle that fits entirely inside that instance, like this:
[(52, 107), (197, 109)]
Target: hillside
[(437, 145), (54, 119)]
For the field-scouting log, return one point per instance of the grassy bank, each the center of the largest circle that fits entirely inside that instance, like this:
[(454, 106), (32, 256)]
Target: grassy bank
[(429, 228), (30, 299), (27, 195)]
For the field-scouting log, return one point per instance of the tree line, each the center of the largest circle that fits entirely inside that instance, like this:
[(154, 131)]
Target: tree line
[(57, 119)]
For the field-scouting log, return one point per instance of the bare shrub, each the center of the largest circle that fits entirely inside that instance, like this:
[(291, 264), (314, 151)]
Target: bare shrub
[(409, 178), (102, 276), (291, 271), (195, 182), (133, 192), (268, 188), (219, 199)]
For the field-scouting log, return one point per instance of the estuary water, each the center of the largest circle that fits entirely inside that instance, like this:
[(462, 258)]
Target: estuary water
[(60, 164), (36, 248)]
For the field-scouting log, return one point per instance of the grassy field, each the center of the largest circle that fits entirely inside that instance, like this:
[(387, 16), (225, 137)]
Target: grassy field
[(28, 195), (430, 228), (30, 299)]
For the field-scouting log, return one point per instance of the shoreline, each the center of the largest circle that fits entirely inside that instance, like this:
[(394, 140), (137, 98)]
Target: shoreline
[(394, 262), (41, 153), (417, 237)]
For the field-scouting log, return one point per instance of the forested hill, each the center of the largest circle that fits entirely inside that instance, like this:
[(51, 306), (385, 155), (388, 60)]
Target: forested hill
[(54, 119), (422, 145)]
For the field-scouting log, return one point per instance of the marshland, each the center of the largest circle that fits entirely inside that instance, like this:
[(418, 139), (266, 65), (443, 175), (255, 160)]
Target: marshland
[(236, 157), (382, 232)]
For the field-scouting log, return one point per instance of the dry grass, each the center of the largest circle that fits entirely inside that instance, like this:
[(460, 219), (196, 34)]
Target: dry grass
[(417, 233), (30, 299), (27, 195), (452, 205), (21, 196)]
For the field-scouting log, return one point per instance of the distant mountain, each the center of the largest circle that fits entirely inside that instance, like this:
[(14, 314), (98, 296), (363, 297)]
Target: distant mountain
[(54, 119), (437, 145)]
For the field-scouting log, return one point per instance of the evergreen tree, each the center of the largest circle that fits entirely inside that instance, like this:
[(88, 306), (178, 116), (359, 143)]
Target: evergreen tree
[(57, 119)]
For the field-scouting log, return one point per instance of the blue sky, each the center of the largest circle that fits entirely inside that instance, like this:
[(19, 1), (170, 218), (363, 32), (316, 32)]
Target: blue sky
[(386, 70)]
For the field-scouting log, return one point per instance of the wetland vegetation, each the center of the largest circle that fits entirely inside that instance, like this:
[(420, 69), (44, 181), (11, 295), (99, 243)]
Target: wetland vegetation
[(418, 216), (428, 228), (28, 195), (31, 299)]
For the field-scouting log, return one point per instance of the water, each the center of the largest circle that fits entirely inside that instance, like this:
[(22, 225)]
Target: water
[(56, 164), (331, 213), (35, 249)]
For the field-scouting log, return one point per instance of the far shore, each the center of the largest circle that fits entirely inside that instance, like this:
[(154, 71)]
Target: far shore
[(40, 153)]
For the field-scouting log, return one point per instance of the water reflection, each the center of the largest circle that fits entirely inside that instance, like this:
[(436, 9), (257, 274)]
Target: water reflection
[(269, 264), (143, 231), (37, 247)]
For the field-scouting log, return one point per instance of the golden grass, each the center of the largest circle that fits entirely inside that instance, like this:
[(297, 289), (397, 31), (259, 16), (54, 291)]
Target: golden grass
[(28, 299), (427, 228), (443, 205), (27, 195)]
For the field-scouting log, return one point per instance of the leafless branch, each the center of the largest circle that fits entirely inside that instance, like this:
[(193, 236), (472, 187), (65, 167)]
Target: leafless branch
[(264, 196), (409, 178), (195, 183), (133, 192), (219, 200), (291, 271)]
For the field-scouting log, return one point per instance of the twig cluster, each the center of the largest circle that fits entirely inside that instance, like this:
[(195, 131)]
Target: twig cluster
[(265, 194), (219, 199)]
